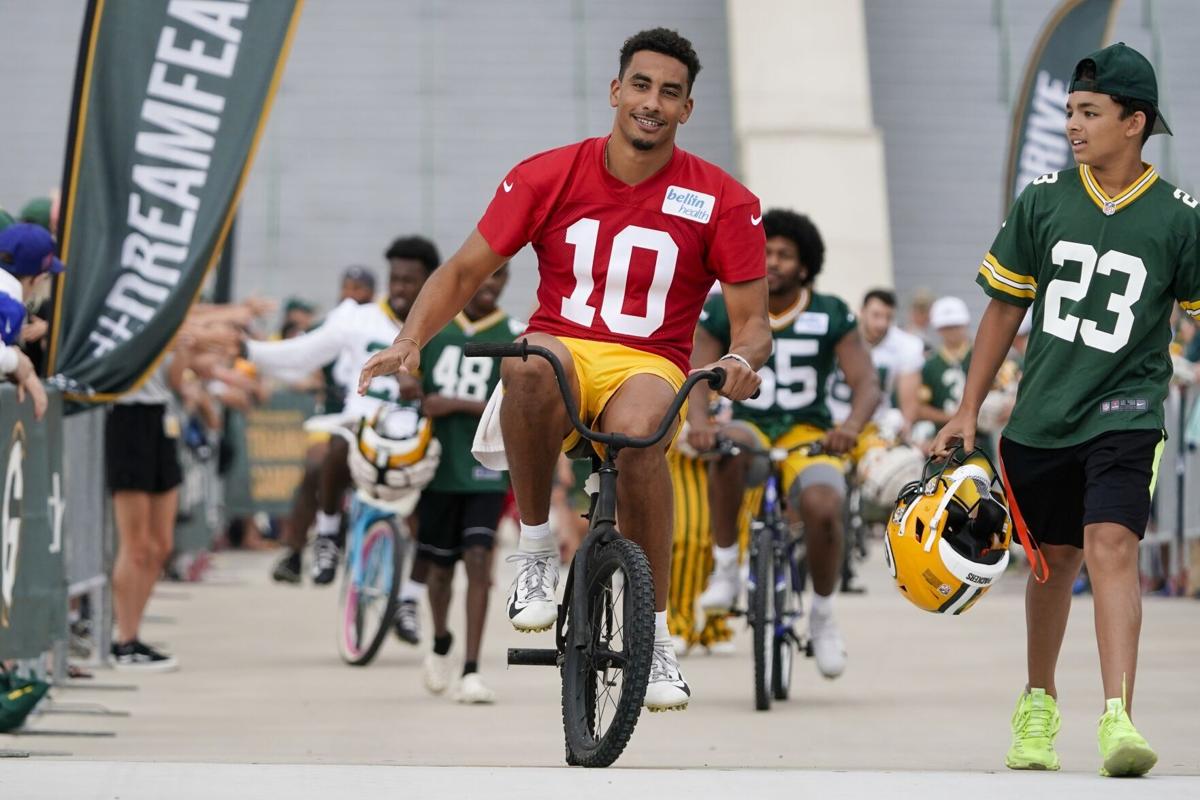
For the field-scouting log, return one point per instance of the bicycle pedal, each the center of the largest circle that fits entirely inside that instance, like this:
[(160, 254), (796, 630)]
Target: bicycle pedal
[(663, 710)]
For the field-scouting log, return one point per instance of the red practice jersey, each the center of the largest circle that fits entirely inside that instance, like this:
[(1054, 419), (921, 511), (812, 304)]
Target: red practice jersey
[(626, 264)]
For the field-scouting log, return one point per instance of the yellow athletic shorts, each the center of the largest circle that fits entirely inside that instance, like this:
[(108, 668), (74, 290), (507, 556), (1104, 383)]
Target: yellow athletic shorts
[(600, 370), (799, 461)]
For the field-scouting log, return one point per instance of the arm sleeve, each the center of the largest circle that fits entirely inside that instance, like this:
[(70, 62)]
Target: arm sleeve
[(514, 214), (1008, 271), (714, 319), (738, 251), (293, 359), (1187, 274)]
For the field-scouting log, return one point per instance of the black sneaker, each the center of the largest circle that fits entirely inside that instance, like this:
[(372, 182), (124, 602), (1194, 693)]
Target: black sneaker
[(288, 569), (137, 657), (408, 622), (325, 560)]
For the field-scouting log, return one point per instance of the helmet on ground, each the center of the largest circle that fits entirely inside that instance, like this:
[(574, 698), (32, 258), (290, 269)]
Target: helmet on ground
[(882, 473), (948, 537), (395, 456)]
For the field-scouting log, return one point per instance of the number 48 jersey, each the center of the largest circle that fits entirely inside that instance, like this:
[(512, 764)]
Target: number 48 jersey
[(446, 371), (1102, 274), (629, 265)]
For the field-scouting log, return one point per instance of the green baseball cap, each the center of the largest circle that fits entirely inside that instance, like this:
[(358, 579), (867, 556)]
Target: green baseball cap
[(37, 211), (5, 219), (1121, 70)]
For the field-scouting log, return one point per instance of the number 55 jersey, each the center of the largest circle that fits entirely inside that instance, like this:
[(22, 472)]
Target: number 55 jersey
[(628, 265), (1102, 274)]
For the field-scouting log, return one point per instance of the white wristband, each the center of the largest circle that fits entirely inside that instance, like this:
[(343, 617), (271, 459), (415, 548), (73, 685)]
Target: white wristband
[(738, 358)]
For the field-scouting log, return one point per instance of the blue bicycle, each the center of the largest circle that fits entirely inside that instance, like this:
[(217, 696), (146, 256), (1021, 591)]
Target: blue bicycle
[(777, 573), (377, 547)]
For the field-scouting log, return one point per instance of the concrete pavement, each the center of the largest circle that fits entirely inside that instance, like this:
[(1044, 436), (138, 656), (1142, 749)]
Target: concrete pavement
[(261, 683)]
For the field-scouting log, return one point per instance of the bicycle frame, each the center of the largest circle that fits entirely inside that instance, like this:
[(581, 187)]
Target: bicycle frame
[(603, 512)]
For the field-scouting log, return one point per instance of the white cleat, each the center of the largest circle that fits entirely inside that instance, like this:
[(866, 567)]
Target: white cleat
[(667, 690), (472, 690), (828, 648), (531, 605), (724, 586), (437, 671)]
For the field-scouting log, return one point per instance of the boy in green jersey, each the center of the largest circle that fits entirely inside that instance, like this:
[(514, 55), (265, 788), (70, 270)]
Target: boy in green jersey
[(1102, 252), (812, 335), (459, 510)]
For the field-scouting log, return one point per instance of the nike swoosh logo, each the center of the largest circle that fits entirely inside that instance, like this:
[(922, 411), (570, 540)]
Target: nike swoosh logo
[(507, 187), (755, 220)]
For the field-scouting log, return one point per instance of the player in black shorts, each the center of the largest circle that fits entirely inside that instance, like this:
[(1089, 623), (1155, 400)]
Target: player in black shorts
[(1101, 252), (459, 510)]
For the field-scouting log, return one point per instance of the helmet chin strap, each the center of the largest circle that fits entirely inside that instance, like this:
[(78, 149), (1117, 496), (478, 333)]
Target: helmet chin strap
[(967, 472)]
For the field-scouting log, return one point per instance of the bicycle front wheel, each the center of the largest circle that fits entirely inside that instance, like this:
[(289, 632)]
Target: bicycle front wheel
[(762, 617), (604, 681), (787, 613), (369, 592)]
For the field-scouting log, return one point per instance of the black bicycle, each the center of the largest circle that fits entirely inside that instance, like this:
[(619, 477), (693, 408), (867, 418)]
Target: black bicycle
[(604, 637), (777, 572)]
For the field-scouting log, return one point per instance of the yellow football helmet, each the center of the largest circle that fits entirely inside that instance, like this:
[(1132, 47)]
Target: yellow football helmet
[(948, 537), (395, 456)]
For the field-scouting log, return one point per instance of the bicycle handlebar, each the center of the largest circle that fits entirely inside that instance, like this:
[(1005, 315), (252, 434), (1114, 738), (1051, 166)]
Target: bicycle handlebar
[(523, 349)]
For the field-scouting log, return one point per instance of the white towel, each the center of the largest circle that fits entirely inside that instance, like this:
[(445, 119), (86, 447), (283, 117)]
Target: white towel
[(488, 447)]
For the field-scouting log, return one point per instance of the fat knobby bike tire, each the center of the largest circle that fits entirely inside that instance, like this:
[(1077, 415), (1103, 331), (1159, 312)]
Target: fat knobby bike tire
[(588, 676)]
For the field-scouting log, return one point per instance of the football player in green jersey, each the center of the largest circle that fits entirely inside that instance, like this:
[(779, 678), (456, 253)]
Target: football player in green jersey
[(813, 333), (459, 510), (945, 371), (1102, 252)]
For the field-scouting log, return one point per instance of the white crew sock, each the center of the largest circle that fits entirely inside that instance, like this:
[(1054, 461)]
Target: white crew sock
[(725, 557), (328, 524), (535, 538), (822, 605), (412, 591), (661, 632)]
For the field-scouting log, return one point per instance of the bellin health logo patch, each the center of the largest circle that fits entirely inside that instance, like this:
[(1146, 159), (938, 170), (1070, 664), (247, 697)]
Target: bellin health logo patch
[(689, 204)]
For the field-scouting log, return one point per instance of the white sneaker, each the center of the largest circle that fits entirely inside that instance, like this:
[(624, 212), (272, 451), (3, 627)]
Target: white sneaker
[(682, 648), (724, 586), (531, 605), (472, 690), (828, 647), (667, 690), (438, 672)]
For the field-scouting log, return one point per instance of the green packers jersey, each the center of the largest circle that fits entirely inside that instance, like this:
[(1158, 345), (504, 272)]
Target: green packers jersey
[(943, 379), (445, 371), (1103, 275), (796, 376)]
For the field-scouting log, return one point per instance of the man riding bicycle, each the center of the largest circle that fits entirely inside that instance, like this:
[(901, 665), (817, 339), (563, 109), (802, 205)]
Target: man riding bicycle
[(630, 232), (811, 333), (350, 334)]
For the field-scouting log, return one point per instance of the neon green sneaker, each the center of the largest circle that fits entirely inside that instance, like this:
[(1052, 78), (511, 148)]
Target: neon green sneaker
[(1124, 751), (1035, 723)]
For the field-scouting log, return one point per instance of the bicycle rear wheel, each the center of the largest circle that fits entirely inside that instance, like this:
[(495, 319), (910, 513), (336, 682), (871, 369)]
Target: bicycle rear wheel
[(604, 682), (368, 596), (761, 607)]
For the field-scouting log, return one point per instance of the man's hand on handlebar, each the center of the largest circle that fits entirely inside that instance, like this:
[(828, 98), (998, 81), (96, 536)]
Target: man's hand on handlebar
[(839, 440), (403, 357), (740, 381), (702, 435)]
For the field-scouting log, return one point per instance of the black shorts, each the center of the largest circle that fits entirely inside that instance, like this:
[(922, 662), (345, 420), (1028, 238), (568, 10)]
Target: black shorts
[(1107, 479), (450, 522), (138, 454)]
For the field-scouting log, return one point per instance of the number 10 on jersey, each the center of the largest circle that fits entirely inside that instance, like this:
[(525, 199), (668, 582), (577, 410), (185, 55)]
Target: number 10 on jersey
[(583, 234)]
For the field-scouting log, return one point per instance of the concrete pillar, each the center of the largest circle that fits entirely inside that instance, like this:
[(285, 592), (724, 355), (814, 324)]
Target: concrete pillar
[(806, 139)]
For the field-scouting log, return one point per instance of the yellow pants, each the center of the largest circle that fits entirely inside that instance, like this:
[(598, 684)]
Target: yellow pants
[(691, 557)]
